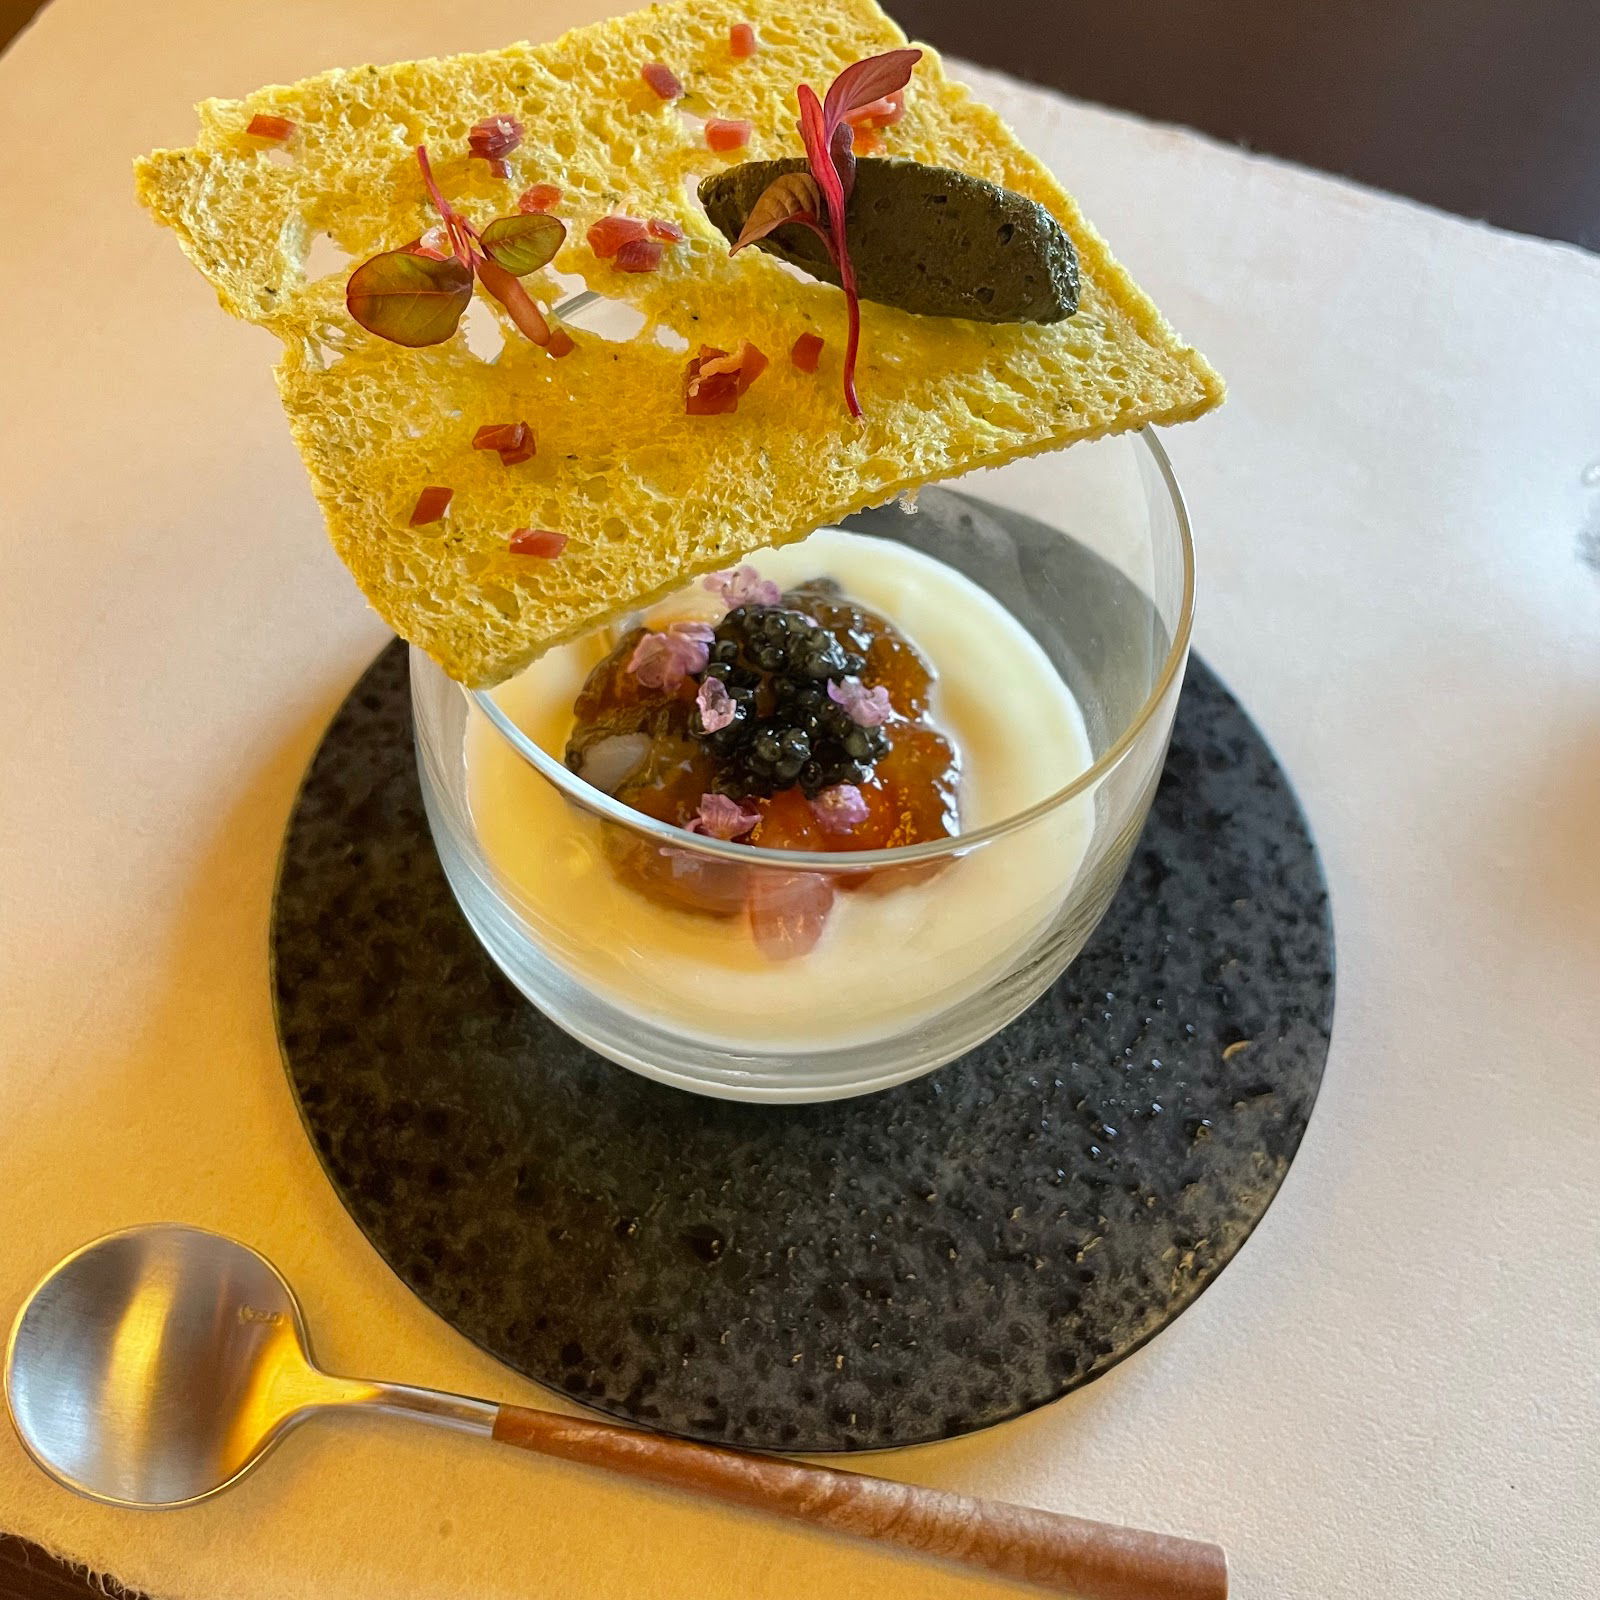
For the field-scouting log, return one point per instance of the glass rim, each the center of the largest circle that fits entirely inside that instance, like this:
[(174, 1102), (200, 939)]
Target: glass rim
[(610, 809)]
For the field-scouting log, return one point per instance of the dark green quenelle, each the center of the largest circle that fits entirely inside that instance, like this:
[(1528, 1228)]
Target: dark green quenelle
[(925, 239)]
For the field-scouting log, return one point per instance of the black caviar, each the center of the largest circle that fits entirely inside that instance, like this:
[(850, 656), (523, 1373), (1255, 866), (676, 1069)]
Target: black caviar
[(776, 664)]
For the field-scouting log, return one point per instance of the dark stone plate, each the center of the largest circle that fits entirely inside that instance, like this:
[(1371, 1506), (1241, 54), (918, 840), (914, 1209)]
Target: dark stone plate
[(880, 1271)]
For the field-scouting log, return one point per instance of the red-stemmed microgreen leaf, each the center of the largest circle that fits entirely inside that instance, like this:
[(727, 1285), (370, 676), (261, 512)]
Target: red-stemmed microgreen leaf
[(788, 198), (814, 135), (523, 243), (817, 136), (830, 153), (843, 150), (820, 228), (455, 224), (860, 84), (519, 304), (440, 204), (409, 299), (416, 295)]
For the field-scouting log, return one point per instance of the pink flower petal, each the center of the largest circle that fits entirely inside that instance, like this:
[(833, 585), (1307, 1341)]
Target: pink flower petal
[(716, 705), (722, 818), (867, 708), (788, 911), (840, 808), (664, 660), (743, 586), (654, 661)]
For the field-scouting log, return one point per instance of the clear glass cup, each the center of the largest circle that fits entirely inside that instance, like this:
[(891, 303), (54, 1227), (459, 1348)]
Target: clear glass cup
[(1089, 550)]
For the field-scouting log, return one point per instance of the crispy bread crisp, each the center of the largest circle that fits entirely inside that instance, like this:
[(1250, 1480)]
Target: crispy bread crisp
[(647, 496)]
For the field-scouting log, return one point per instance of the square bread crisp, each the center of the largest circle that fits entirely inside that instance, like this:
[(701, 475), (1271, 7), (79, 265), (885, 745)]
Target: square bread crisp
[(647, 495)]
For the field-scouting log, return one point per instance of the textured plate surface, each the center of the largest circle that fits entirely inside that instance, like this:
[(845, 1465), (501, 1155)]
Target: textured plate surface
[(881, 1271)]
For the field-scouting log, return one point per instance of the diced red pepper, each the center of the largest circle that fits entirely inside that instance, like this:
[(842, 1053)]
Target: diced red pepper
[(712, 398), (495, 136), (430, 505), (609, 234), (711, 385), (513, 440), (715, 380), (561, 343), (537, 542), (667, 232), (752, 363), (638, 255), (879, 113), (865, 121), (807, 350), (725, 133), (741, 41), (662, 79), (493, 139), (262, 126), (539, 198)]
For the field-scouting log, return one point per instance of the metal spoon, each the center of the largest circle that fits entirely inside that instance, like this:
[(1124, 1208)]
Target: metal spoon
[(157, 1366)]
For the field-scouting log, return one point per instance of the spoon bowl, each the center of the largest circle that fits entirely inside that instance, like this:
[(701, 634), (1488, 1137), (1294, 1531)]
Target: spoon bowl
[(153, 1367)]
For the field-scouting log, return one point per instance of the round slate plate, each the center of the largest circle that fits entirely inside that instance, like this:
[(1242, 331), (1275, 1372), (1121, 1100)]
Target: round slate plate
[(880, 1271)]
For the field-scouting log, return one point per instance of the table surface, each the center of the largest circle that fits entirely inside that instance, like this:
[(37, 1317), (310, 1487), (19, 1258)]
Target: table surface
[(1476, 106)]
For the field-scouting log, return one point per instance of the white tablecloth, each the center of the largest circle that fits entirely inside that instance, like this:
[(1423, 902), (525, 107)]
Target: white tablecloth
[(1391, 1392)]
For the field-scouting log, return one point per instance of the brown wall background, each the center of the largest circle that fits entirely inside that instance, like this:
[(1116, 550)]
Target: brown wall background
[(1489, 108)]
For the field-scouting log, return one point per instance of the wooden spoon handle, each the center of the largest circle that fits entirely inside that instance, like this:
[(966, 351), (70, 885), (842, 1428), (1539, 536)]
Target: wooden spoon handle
[(1093, 1560)]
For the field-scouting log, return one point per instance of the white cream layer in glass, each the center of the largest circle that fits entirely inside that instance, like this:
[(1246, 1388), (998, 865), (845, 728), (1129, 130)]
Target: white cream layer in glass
[(884, 961)]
